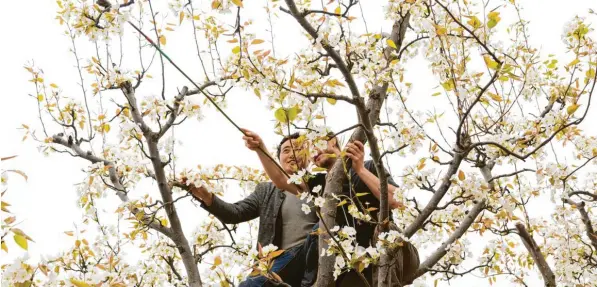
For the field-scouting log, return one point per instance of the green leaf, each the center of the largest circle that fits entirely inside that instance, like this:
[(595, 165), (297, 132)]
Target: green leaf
[(494, 18), (292, 113), (362, 194), (21, 241), (280, 115), (436, 94), (343, 202)]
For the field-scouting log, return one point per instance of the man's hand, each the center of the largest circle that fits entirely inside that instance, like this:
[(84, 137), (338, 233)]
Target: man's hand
[(356, 152), (203, 194), (252, 140)]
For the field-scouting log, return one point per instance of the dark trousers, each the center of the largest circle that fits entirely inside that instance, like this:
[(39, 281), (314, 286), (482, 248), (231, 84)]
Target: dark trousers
[(297, 266)]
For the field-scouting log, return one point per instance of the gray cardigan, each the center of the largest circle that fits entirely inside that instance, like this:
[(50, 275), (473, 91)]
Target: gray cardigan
[(265, 202)]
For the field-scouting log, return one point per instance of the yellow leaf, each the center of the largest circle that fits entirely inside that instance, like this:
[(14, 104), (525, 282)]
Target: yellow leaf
[(257, 93), (217, 261), (338, 10), (216, 4), (574, 62), (474, 22), (53, 85), (331, 101), (590, 73), (494, 18), (196, 17), (236, 50), (163, 40), (461, 175), (180, 17), (79, 283), (421, 164), (106, 128), (391, 43), (224, 283), (275, 254), (40, 98), (343, 202), (495, 97), (440, 31), (238, 3), (257, 41), (571, 109), (21, 241), (490, 62), (448, 85)]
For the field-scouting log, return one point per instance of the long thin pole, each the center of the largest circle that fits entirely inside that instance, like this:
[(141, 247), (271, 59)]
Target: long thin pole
[(202, 92)]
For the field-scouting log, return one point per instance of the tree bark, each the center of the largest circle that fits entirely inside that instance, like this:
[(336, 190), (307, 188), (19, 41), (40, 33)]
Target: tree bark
[(177, 234), (548, 277)]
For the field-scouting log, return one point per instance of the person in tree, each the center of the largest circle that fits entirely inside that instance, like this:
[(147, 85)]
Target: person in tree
[(363, 181), (282, 221)]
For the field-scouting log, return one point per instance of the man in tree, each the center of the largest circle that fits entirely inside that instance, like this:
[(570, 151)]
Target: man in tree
[(282, 221), (363, 181)]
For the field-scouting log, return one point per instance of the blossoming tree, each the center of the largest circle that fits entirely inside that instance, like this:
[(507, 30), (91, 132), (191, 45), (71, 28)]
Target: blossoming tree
[(496, 134)]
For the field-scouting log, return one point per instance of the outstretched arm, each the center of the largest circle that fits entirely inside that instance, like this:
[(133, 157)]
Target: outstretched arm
[(230, 213), (356, 152), (277, 176)]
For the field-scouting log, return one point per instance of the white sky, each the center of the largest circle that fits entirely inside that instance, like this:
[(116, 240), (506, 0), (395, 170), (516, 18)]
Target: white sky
[(46, 202)]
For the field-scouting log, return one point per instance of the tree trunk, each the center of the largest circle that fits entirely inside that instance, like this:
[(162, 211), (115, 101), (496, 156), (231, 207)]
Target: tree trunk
[(177, 235)]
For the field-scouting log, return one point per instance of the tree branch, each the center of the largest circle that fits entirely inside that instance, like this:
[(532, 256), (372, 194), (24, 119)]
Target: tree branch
[(548, 277), (114, 179), (442, 249), (586, 220)]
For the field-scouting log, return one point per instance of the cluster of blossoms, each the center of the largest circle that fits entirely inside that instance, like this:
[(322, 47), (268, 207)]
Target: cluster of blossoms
[(574, 34), (307, 198), (85, 19), (349, 254), (406, 133), (210, 177)]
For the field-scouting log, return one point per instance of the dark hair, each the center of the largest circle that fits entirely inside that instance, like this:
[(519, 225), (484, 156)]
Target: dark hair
[(288, 137), (331, 136)]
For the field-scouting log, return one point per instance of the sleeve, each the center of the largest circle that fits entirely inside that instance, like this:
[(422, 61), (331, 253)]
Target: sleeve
[(360, 186), (240, 211)]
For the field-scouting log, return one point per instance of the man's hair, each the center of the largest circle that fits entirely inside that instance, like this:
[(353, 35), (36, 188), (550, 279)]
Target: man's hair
[(331, 136), (284, 139)]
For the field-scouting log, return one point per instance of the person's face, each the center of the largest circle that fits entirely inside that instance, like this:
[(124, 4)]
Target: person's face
[(289, 163), (325, 158)]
